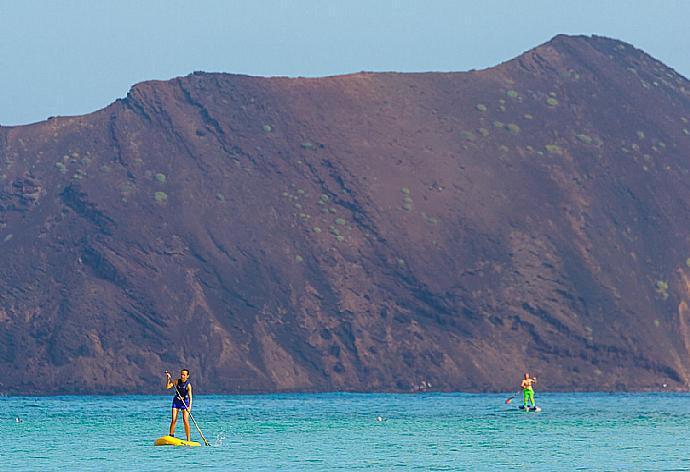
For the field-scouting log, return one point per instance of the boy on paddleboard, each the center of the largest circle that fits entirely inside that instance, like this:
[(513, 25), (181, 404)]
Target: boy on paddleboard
[(182, 400), (527, 390)]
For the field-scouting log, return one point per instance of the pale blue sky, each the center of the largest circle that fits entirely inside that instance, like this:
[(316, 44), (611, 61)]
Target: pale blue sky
[(72, 57)]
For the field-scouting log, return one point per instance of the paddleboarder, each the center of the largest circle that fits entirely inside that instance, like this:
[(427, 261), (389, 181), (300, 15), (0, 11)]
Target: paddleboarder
[(182, 400), (527, 390)]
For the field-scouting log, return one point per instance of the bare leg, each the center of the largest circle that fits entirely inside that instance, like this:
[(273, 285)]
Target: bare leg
[(173, 421), (185, 418)]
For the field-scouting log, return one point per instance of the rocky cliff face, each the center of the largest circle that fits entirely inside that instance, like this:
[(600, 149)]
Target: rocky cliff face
[(364, 232)]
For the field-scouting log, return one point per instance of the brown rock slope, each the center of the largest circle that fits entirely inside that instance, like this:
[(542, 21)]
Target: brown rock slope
[(363, 232)]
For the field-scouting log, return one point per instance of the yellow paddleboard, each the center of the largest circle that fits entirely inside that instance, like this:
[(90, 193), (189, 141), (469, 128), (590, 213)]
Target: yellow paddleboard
[(171, 441)]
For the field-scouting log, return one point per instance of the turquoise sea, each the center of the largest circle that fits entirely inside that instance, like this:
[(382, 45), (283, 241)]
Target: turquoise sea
[(339, 431)]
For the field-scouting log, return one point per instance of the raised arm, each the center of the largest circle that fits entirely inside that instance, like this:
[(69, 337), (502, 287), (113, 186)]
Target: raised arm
[(169, 383)]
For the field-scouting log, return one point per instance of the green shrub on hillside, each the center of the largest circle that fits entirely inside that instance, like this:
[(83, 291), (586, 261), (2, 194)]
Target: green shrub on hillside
[(61, 167), (553, 149), (483, 131), (160, 177), (480, 107), (512, 94), (552, 102), (584, 138), (513, 128), (640, 135), (267, 128), (468, 136), (662, 288), (161, 197)]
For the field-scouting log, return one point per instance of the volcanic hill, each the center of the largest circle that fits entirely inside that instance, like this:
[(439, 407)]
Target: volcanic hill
[(369, 232)]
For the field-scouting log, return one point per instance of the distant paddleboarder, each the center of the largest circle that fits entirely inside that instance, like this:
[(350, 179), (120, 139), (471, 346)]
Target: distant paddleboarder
[(527, 390), (182, 400)]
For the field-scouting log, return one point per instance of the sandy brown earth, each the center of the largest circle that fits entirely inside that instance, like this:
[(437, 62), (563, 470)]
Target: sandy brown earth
[(375, 231)]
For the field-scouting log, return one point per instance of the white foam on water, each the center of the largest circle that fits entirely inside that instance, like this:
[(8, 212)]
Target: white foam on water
[(220, 438)]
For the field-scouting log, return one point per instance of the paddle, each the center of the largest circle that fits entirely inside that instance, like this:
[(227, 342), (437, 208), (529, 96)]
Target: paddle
[(189, 412), (510, 399)]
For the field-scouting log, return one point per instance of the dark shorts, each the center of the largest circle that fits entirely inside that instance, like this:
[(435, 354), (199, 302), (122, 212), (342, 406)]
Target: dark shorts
[(177, 403)]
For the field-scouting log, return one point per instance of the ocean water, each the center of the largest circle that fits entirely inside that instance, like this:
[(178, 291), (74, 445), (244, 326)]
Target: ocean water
[(338, 431)]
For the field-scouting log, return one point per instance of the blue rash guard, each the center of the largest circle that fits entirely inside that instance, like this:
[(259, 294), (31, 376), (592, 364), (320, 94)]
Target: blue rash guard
[(181, 391)]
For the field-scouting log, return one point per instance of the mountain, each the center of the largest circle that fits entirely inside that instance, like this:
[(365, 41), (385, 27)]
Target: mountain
[(368, 232)]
